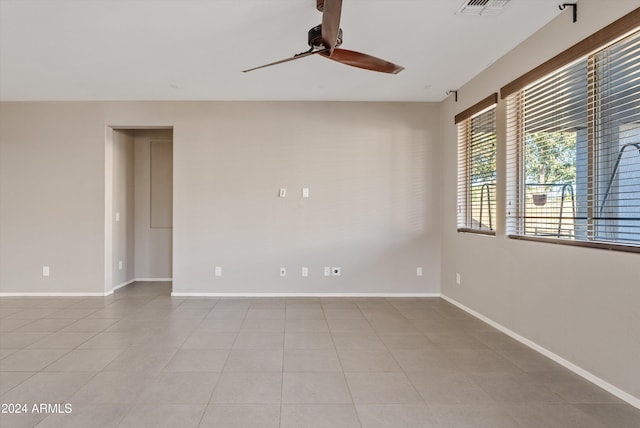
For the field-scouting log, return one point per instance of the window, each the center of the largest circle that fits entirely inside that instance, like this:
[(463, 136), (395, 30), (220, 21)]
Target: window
[(574, 150), (616, 146), (477, 167)]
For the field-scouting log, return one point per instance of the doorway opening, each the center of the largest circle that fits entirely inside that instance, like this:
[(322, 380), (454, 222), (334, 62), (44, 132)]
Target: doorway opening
[(138, 206)]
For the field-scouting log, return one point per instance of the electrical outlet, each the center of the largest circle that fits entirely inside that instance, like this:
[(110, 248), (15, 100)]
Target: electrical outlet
[(45, 270), (218, 271), (327, 271), (305, 271), (419, 271), (305, 192), (283, 271), (458, 281), (120, 265), (283, 192), (336, 271)]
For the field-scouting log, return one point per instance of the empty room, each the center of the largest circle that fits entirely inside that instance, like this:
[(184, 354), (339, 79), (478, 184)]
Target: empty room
[(320, 213)]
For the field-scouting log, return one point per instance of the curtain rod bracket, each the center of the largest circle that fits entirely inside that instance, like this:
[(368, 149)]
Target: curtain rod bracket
[(563, 6), (453, 91)]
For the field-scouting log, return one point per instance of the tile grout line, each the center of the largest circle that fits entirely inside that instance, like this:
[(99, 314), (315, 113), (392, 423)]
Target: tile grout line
[(335, 348)]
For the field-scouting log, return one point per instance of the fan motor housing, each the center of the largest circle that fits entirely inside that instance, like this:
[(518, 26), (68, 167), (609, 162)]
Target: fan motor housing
[(315, 37)]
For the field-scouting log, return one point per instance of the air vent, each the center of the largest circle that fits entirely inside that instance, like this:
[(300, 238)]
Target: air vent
[(483, 7)]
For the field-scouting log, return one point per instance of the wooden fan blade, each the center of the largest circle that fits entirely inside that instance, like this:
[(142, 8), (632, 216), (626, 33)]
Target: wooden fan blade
[(331, 23), (297, 56), (360, 60)]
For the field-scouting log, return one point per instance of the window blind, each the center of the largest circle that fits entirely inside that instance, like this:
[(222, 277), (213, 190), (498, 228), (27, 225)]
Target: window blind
[(477, 172), (573, 161), (615, 120)]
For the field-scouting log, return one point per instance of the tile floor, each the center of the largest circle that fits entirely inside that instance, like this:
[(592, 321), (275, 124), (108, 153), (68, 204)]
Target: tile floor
[(141, 358)]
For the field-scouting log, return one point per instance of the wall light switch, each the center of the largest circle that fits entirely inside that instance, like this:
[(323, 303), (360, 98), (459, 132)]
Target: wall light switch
[(305, 192), (120, 265), (283, 193), (305, 271), (327, 271), (419, 271), (45, 270), (218, 271), (458, 279), (283, 271), (117, 216)]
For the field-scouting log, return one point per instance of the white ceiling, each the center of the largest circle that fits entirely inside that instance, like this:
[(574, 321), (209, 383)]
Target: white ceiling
[(196, 49)]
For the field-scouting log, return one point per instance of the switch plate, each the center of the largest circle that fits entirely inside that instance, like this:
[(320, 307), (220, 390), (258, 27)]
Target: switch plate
[(327, 271), (336, 271), (305, 192), (305, 271), (218, 271), (117, 216), (45, 270), (458, 282), (119, 264), (283, 193), (419, 271), (283, 271)]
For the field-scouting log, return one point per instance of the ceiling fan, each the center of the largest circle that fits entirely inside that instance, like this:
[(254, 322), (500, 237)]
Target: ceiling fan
[(325, 38)]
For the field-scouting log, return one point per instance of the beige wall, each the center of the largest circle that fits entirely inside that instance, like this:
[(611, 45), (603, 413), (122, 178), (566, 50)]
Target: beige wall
[(372, 170), (52, 162), (153, 244), (122, 212), (581, 304)]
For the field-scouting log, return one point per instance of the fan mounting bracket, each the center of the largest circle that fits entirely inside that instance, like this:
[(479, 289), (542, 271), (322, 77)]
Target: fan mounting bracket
[(315, 38)]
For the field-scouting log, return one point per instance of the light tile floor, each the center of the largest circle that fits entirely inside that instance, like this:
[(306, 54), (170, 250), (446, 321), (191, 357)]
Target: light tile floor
[(141, 358)]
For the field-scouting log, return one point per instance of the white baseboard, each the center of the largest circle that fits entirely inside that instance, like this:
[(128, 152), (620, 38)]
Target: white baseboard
[(625, 396), (63, 294), (152, 280), (177, 294)]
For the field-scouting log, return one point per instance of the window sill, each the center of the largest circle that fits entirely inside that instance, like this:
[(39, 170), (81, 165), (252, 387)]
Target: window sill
[(477, 231), (628, 248)]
